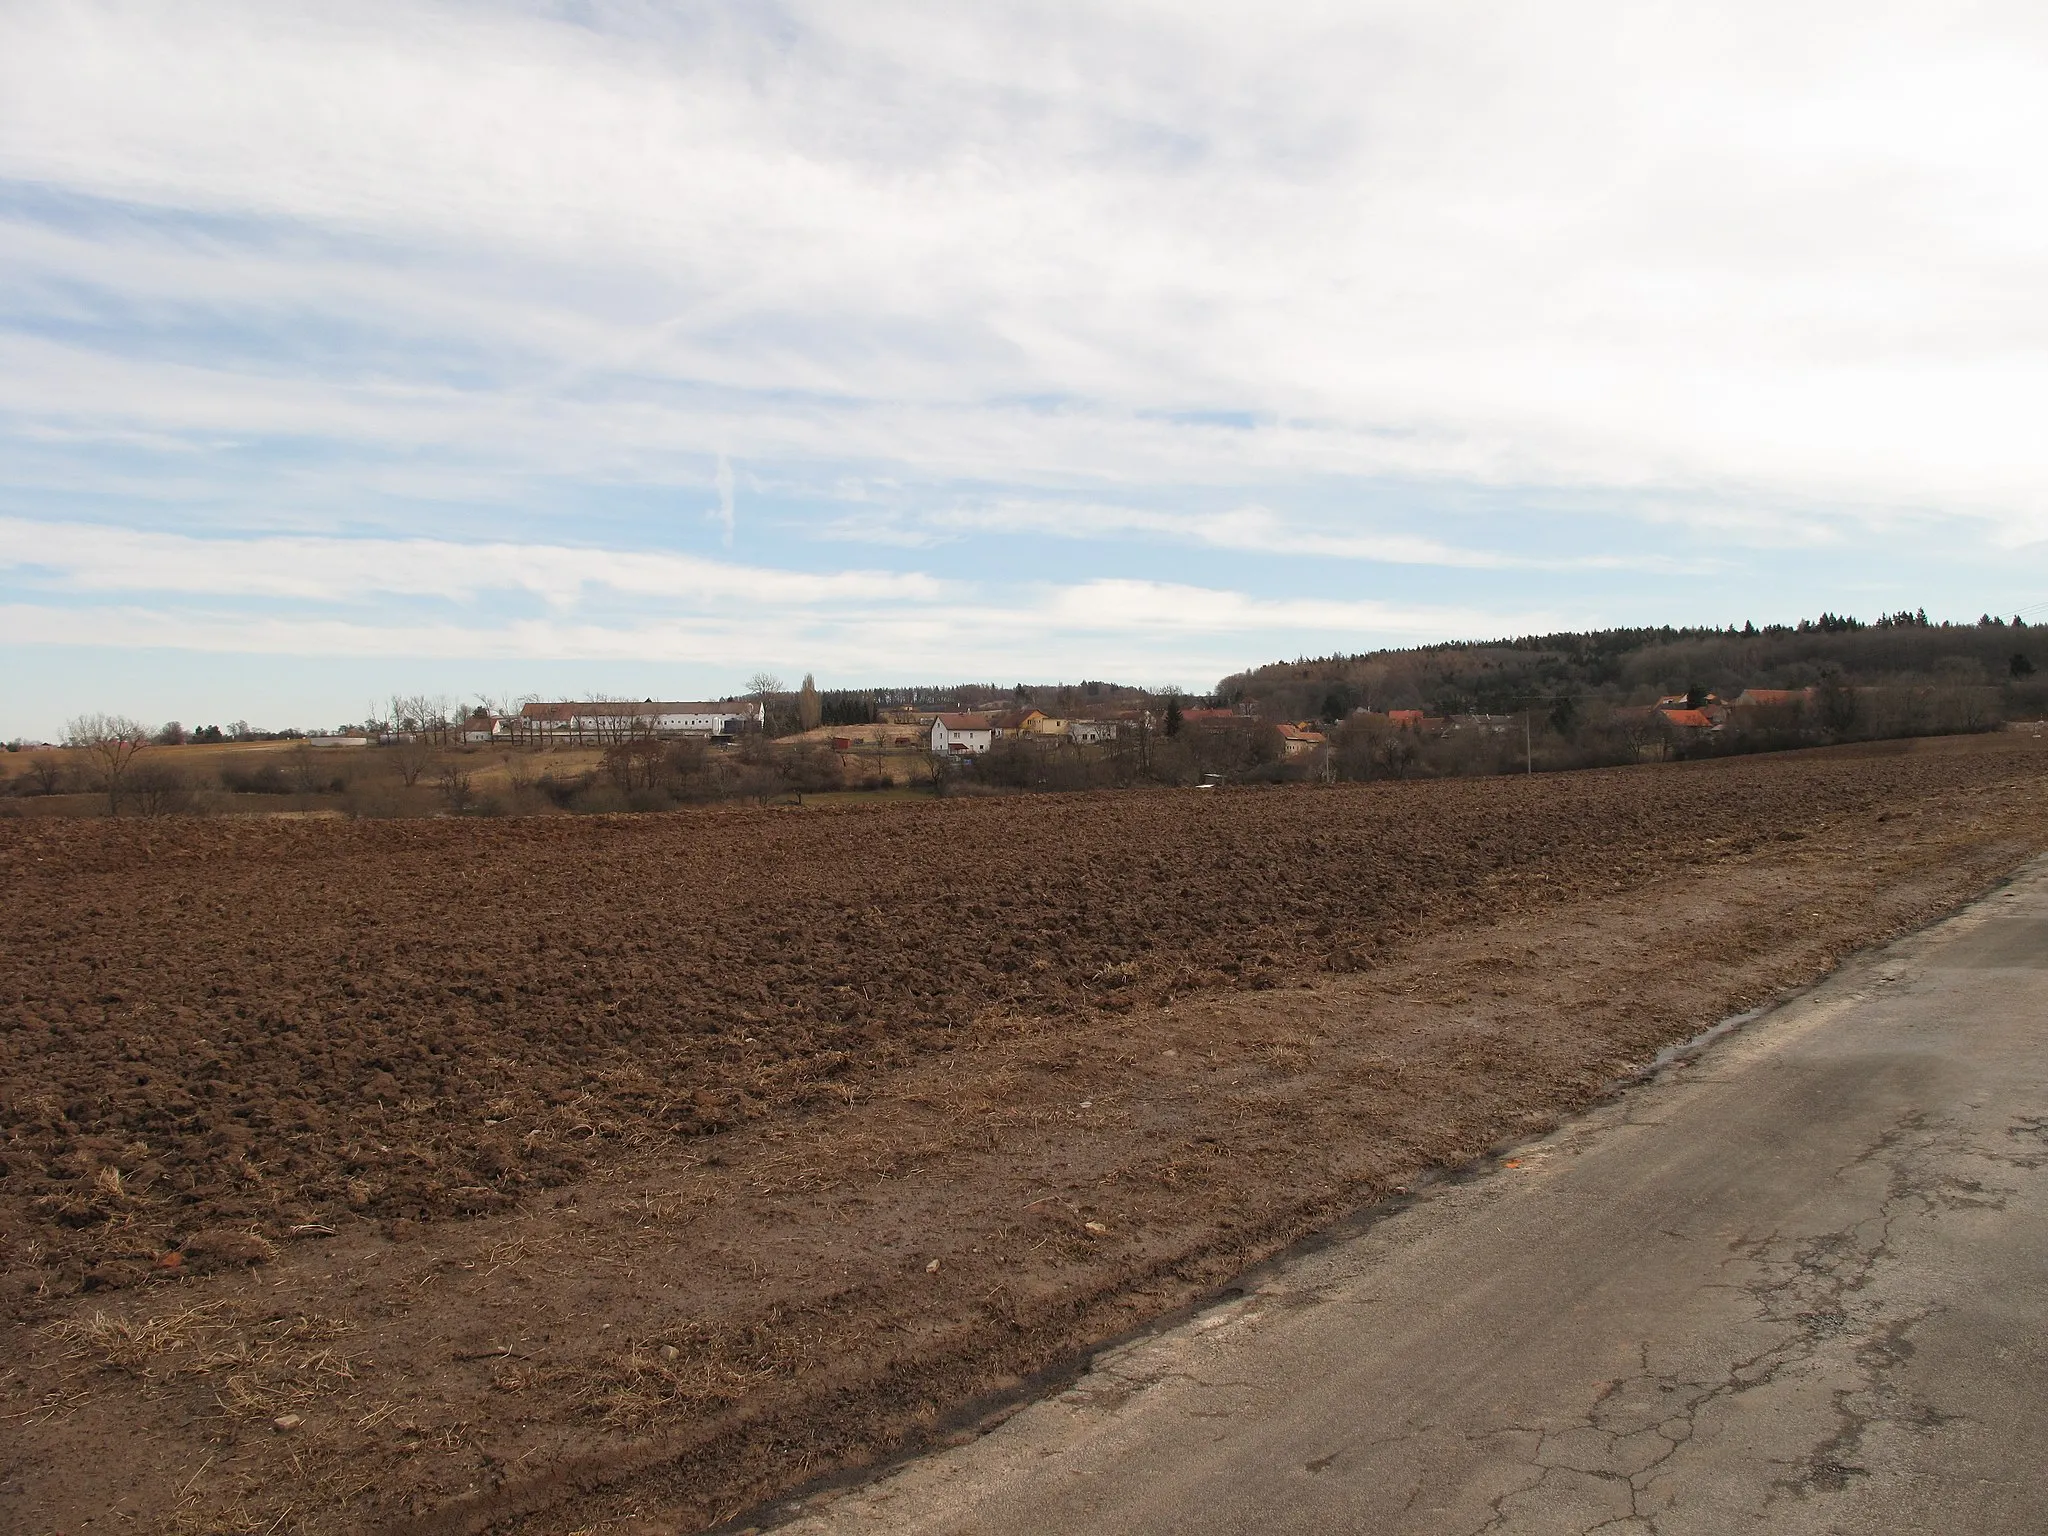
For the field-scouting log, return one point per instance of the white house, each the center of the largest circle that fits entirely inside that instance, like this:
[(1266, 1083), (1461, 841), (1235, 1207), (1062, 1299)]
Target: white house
[(1086, 733), (961, 735)]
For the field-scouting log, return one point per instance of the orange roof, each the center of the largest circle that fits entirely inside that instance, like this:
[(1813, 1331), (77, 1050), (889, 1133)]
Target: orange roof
[(1297, 733), (967, 722), (1695, 719), (1405, 716)]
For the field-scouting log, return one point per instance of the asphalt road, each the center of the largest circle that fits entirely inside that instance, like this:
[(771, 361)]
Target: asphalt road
[(1796, 1283)]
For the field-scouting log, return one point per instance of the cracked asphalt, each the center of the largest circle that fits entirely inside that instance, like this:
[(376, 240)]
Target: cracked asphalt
[(1797, 1281)]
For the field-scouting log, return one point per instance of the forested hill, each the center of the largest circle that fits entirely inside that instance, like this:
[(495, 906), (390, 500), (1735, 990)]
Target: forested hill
[(1637, 666)]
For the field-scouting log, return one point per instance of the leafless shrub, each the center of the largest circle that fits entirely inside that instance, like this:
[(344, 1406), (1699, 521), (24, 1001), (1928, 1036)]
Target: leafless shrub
[(49, 772), (160, 789), (412, 755), (636, 764), (455, 783), (306, 774)]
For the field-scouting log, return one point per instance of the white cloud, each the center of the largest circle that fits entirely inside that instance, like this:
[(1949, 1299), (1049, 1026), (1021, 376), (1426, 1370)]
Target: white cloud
[(1247, 529), (83, 586), (1118, 604), (1152, 632), (1792, 253), (81, 558)]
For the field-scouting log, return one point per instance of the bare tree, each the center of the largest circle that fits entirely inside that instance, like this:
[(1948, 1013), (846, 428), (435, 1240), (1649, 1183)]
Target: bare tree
[(763, 687), (412, 755), (524, 732), (1637, 730), (49, 772), (636, 764), (305, 771), (422, 714), (112, 743), (614, 720), (936, 769)]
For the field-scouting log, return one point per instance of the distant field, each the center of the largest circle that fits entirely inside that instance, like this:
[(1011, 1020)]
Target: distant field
[(302, 779), (716, 1146), (294, 779)]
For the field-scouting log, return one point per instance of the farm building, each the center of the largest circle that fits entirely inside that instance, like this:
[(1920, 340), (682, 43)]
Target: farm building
[(617, 720)]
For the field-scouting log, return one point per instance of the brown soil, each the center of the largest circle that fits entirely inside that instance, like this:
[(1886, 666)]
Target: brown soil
[(572, 1172)]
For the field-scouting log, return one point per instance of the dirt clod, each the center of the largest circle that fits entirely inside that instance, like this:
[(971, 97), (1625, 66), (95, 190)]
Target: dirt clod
[(217, 1248)]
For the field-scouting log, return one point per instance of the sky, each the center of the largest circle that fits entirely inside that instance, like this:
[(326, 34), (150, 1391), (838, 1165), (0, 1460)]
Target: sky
[(632, 347)]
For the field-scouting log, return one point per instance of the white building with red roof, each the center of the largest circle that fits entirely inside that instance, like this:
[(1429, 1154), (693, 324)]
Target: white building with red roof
[(963, 735)]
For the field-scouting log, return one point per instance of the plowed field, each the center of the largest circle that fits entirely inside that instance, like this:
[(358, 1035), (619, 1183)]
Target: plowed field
[(250, 1072)]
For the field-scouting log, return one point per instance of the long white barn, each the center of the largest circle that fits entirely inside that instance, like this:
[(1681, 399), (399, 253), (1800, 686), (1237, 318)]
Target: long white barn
[(610, 719)]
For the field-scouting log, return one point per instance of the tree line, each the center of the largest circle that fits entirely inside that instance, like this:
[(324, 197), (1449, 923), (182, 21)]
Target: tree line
[(1622, 667)]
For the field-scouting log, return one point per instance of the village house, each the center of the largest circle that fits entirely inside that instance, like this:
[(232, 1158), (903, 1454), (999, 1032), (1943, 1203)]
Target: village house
[(1299, 739), (963, 735), (1690, 722), (1709, 705), (1089, 733), (1017, 722), (1415, 720)]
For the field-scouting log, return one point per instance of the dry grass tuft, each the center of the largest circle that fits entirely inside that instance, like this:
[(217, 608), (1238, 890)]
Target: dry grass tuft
[(257, 1370), (653, 1381), (139, 1345)]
